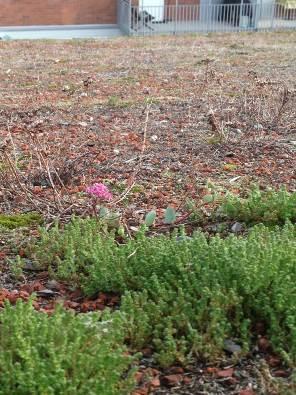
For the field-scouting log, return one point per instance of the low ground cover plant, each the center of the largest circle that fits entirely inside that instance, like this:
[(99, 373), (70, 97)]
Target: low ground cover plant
[(185, 296), (14, 221), (62, 353), (270, 207)]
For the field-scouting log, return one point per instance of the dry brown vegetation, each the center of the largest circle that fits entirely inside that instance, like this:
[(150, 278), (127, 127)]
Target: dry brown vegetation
[(163, 114)]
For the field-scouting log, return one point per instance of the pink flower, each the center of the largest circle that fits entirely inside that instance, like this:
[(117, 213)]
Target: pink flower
[(99, 191)]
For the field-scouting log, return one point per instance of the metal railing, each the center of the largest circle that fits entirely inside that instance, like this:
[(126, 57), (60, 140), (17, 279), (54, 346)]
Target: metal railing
[(204, 18), (124, 16)]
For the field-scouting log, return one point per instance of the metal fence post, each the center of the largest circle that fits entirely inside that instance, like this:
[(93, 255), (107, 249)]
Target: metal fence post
[(129, 17), (273, 8), (209, 8)]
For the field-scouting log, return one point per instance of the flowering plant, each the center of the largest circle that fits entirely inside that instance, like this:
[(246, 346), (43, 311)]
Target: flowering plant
[(98, 192)]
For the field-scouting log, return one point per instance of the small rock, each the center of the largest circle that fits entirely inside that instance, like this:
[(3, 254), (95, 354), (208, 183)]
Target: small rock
[(134, 228), (154, 138), (29, 265), (229, 154), (231, 347), (46, 293), (53, 285), (234, 179), (172, 379), (236, 227), (84, 124)]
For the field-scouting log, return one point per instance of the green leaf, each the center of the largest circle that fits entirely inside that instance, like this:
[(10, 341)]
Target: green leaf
[(121, 231), (150, 218), (104, 212), (170, 215), (113, 220), (208, 198)]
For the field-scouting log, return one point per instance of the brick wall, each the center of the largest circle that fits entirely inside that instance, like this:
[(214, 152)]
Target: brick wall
[(56, 12)]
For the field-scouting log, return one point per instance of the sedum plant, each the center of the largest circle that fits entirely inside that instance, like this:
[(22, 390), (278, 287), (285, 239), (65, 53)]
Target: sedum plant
[(185, 296), (62, 353), (219, 291), (269, 207)]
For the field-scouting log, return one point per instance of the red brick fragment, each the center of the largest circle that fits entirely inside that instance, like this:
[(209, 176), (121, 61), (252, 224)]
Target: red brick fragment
[(177, 370), (281, 373), (225, 372), (263, 344), (247, 392), (172, 379), (187, 380), (211, 370), (273, 361), (155, 382), (139, 377)]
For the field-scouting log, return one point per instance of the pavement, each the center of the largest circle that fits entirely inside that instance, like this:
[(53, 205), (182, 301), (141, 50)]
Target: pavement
[(59, 32)]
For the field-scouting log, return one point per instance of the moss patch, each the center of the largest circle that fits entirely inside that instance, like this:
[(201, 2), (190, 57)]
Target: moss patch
[(20, 220)]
